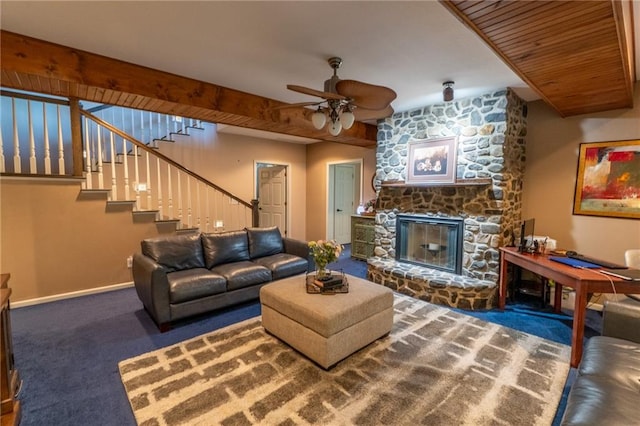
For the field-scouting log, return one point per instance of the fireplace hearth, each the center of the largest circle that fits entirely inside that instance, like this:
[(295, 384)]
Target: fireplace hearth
[(432, 242)]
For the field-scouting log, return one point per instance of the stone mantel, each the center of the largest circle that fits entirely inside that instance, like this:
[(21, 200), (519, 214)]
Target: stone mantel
[(458, 182)]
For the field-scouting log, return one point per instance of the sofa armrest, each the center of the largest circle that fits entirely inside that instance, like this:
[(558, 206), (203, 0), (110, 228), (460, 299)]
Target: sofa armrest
[(621, 319), (152, 286), (299, 248)]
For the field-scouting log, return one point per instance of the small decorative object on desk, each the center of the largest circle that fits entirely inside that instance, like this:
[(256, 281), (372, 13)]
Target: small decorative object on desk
[(324, 252), (337, 283)]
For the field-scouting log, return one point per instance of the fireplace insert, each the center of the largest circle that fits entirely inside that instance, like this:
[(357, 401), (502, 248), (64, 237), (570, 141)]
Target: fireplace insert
[(433, 242)]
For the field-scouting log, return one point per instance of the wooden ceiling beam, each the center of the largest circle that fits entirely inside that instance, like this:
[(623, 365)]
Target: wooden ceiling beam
[(40, 66)]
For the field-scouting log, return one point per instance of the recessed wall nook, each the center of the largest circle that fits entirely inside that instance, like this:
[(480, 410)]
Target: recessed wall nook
[(486, 195)]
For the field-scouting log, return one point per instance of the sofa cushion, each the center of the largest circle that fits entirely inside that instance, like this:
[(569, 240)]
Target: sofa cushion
[(613, 358), (194, 284), (595, 400), (225, 247), (264, 241), (242, 274), (283, 265), (176, 252)]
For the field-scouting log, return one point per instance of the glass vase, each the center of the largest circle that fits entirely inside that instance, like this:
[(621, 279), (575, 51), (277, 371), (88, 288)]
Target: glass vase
[(322, 273)]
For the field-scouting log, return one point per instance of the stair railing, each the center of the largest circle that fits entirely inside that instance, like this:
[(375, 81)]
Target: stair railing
[(59, 139), (155, 183), (38, 127)]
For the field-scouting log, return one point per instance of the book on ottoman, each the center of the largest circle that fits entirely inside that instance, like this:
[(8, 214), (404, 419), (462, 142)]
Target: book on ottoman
[(333, 281)]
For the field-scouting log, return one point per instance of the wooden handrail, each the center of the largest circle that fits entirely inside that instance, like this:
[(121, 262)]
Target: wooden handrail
[(155, 153), (30, 97)]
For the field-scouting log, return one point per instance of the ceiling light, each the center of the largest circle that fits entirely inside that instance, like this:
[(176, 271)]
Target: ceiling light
[(347, 118), (319, 119), (447, 92)]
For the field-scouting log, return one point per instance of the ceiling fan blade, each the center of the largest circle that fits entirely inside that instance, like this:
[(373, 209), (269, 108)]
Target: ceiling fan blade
[(313, 92), (296, 105), (365, 95), (363, 114)]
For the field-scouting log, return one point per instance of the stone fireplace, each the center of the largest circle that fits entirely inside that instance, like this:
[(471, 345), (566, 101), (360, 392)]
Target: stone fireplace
[(486, 196)]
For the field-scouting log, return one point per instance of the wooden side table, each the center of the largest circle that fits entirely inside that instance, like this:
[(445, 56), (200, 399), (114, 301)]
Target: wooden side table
[(9, 381)]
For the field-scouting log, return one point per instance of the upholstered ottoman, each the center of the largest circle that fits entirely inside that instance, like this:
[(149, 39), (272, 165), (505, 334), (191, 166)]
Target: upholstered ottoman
[(326, 328)]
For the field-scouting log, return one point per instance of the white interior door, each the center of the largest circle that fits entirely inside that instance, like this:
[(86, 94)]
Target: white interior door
[(272, 197), (343, 204)]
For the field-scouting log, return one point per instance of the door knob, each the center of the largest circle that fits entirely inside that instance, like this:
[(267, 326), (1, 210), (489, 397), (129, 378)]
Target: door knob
[(338, 210)]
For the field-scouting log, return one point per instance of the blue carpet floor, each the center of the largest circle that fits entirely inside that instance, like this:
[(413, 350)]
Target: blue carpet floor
[(67, 351)]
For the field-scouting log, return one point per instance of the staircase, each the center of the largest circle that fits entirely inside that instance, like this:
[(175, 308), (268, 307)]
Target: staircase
[(117, 154)]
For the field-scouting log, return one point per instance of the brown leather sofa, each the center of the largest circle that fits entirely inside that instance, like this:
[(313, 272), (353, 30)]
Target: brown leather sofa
[(607, 388), (179, 276)]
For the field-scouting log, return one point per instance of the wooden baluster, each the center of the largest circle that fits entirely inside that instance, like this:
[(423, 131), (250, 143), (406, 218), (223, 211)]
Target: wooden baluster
[(1, 154), (141, 126), (61, 166), (136, 175), (99, 155), (125, 168), (207, 224), (114, 181), (32, 143), (159, 183), (168, 129), (149, 202), (179, 196), (169, 192), (17, 166), (47, 152), (189, 211), (87, 154), (198, 207)]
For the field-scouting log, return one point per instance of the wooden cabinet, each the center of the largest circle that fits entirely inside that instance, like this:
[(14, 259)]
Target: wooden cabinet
[(9, 380), (362, 236)]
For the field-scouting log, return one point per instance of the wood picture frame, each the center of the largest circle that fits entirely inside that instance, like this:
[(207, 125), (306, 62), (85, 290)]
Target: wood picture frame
[(608, 179), (432, 161)]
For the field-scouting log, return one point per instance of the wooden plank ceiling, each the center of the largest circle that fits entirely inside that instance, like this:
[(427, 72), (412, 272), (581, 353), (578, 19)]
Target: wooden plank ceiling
[(574, 54)]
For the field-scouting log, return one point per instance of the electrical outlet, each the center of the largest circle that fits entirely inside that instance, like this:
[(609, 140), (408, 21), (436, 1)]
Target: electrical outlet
[(219, 224), (129, 261)]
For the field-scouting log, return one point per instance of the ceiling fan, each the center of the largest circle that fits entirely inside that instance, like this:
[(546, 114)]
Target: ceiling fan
[(346, 101)]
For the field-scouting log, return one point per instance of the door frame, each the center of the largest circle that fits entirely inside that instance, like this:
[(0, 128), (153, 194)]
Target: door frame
[(287, 190), (329, 195)]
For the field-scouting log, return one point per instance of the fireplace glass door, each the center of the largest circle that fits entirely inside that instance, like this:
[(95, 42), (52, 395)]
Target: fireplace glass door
[(430, 242)]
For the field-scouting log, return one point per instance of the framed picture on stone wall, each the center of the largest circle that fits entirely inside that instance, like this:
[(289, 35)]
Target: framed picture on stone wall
[(432, 161), (608, 181)]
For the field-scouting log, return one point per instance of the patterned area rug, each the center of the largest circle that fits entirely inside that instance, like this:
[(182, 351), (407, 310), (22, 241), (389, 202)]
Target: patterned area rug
[(437, 367)]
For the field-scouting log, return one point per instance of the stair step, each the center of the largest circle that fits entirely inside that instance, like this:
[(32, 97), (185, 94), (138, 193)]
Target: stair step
[(187, 230), (121, 201), (162, 140), (167, 221), (142, 212), (179, 133), (195, 127)]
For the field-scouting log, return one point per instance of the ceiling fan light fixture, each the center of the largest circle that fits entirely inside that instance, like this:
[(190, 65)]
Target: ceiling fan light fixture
[(447, 91), (335, 128), (347, 119), (319, 119)]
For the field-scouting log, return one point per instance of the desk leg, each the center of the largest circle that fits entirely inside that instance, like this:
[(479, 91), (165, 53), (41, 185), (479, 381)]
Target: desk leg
[(557, 298), (502, 289), (579, 314)]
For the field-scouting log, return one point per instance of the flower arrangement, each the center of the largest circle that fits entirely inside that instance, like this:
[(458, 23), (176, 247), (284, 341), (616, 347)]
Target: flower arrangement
[(324, 252)]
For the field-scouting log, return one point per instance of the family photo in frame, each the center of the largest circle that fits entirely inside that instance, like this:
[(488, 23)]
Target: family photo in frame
[(432, 161)]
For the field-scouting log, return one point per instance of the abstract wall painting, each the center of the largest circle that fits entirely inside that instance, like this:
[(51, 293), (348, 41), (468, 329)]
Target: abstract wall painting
[(608, 181)]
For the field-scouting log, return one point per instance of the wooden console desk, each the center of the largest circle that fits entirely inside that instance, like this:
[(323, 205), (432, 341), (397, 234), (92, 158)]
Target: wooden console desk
[(583, 281), (10, 407)]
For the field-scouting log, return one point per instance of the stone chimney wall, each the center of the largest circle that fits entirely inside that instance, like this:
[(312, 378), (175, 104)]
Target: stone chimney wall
[(491, 132)]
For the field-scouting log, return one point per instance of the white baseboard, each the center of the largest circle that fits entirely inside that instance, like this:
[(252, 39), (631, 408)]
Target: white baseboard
[(47, 299)]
